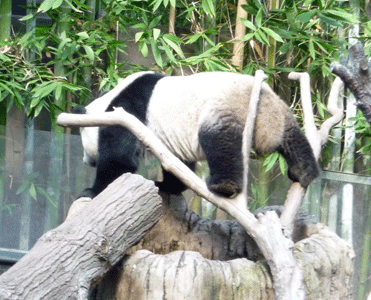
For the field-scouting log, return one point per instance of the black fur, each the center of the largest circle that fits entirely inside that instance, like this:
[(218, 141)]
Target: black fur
[(299, 156), (221, 141)]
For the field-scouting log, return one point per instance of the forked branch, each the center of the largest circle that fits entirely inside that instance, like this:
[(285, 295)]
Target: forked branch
[(317, 138)]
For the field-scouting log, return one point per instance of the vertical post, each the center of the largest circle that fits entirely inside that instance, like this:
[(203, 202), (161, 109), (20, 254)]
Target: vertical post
[(349, 147)]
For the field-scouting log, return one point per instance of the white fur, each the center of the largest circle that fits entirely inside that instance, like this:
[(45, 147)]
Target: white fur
[(180, 104)]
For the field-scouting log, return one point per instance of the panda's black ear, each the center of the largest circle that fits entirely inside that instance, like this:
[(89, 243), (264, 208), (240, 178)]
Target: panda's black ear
[(79, 110)]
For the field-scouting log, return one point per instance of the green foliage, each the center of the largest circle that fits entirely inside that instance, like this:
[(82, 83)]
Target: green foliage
[(29, 185), (305, 33)]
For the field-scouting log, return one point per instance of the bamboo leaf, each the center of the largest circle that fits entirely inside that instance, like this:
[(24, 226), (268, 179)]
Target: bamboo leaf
[(172, 41), (25, 18), (49, 4), (208, 7), (282, 164), (156, 53), (22, 187), (155, 21), (248, 37), (173, 38), (45, 194), (138, 36), (32, 191), (259, 17), (193, 38), (89, 52), (311, 49), (248, 24), (167, 50), (83, 35), (329, 20), (157, 4), (4, 58), (272, 34), (5, 87), (58, 92), (345, 16), (143, 48), (270, 161), (261, 37), (156, 33), (306, 16)]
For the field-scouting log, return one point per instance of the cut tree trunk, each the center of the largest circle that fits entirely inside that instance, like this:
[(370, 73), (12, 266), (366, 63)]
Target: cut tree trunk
[(326, 261), (67, 261)]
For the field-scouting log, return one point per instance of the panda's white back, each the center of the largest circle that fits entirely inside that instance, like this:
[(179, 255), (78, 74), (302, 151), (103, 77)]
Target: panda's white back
[(179, 104)]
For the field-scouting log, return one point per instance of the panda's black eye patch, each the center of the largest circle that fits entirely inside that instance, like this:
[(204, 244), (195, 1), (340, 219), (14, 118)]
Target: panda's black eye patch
[(79, 110)]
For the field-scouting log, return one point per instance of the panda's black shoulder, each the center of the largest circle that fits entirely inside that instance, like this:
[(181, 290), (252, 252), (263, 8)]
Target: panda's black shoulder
[(79, 110), (134, 98), (147, 80)]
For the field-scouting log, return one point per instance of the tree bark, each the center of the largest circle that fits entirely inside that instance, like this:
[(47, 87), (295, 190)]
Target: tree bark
[(355, 71), (68, 261)]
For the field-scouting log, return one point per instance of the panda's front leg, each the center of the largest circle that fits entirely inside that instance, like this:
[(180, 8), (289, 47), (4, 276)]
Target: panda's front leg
[(170, 183)]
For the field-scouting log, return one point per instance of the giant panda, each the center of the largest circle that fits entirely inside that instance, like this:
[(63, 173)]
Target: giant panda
[(198, 117)]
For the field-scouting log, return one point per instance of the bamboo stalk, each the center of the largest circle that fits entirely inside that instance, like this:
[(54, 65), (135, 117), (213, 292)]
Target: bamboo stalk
[(5, 19), (240, 31)]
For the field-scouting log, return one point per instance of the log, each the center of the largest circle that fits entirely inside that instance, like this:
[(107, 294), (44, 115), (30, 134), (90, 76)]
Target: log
[(68, 261)]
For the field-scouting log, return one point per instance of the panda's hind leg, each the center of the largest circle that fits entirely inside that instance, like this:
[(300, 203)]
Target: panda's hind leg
[(295, 148), (221, 141)]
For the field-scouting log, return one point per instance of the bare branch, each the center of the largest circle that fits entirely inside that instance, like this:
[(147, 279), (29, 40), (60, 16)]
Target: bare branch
[(249, 130), (333, 108), (306, 101)]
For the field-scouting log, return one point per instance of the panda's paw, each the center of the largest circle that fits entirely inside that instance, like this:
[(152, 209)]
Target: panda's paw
[(304, 175), (226, 188), (174, 188), (87, 193)]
